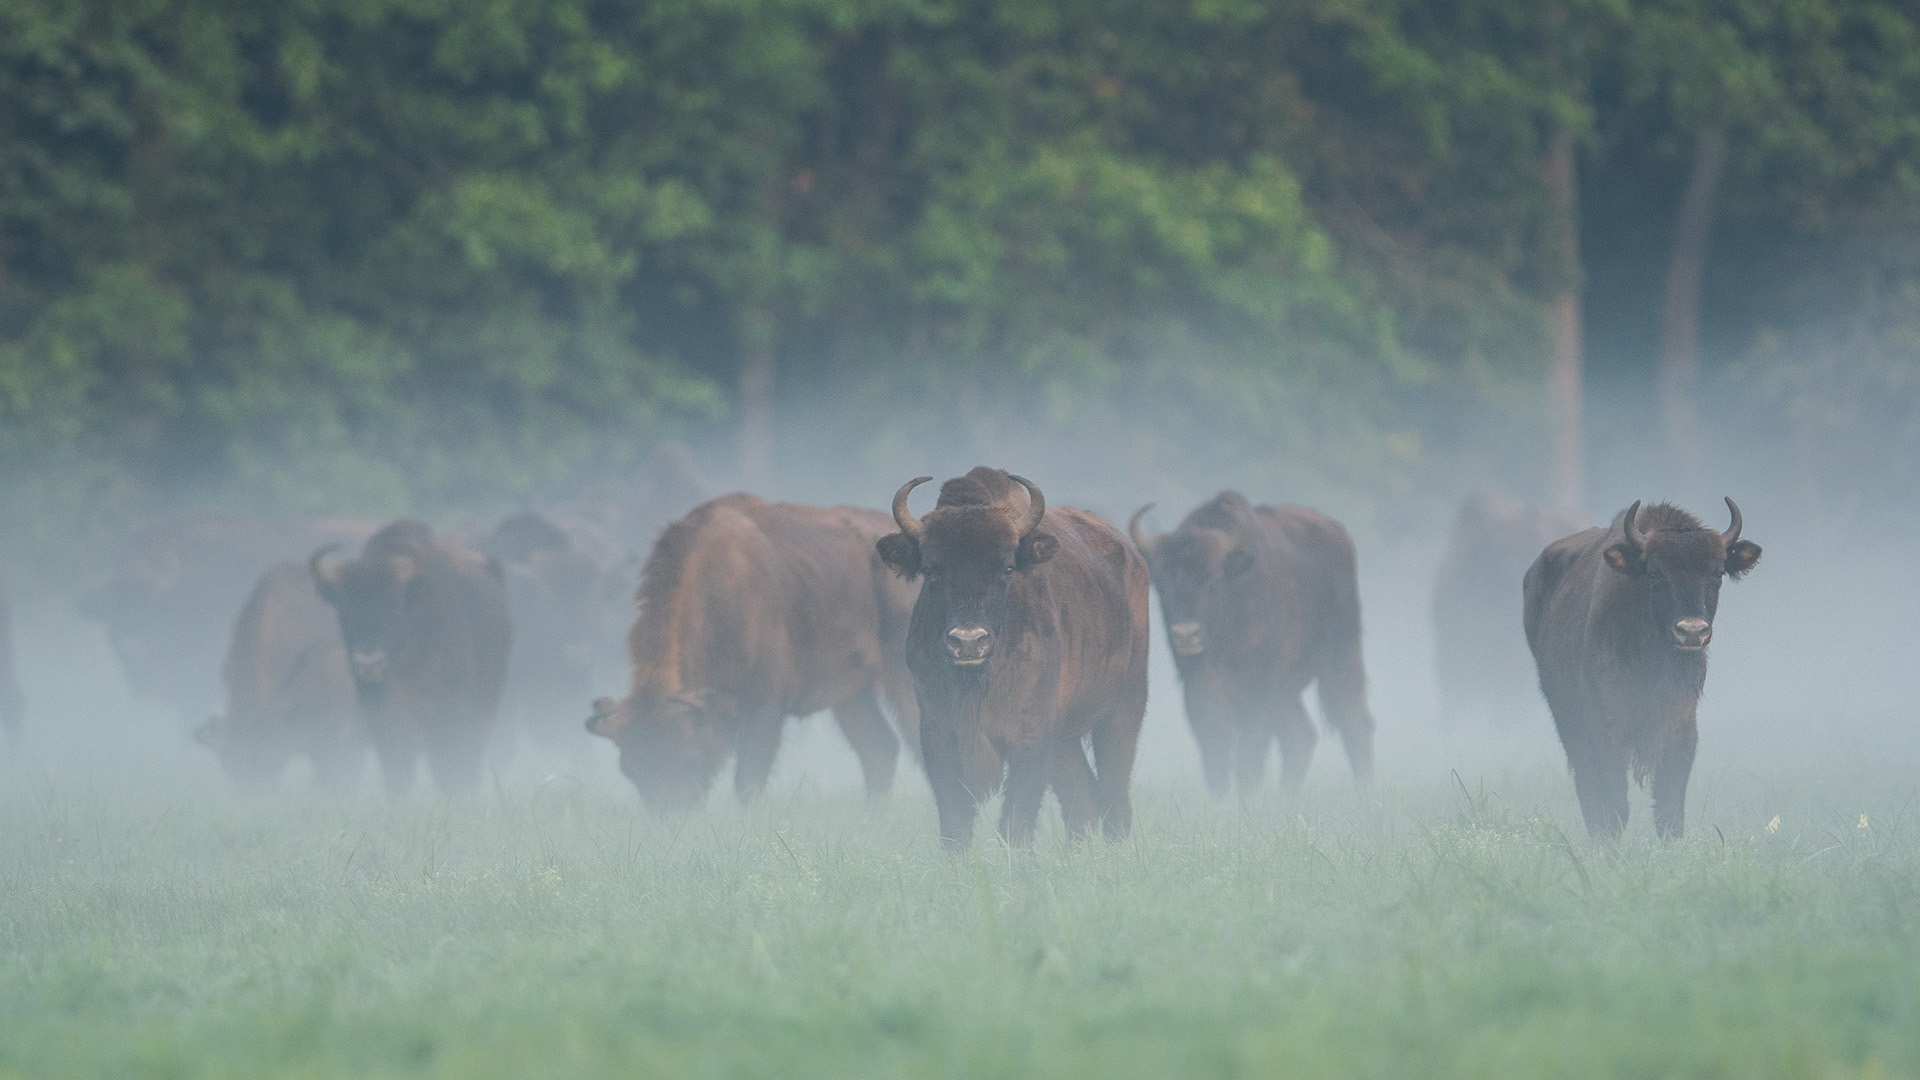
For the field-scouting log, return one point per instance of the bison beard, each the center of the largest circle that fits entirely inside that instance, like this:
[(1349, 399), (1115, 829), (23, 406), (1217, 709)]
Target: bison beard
[(427, 633), (1618, 620), (752, 612), (1023, 643), (1259, 602)]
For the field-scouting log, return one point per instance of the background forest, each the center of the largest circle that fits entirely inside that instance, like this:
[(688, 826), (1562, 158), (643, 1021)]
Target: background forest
[(381, 255)]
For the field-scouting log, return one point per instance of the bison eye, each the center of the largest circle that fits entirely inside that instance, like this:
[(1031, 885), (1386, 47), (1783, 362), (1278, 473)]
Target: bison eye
[(1006, 571)]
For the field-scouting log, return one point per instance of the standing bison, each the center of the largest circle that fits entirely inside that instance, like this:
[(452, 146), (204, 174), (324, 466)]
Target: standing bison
[(1023, 642), (1259, 601), (427, 634), (1480, 655), (752, 612), (289, 691), (1618, 620)]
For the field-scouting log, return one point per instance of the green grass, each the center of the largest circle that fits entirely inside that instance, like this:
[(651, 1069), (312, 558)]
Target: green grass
[(555, 930)]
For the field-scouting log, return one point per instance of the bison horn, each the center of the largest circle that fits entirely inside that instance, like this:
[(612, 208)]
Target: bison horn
[(1733, 530), (1635, 538), (1036, 507), (327, 576), (903, 517), (1144, 543)]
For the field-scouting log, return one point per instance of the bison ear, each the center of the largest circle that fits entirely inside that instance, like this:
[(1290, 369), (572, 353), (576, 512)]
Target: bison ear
[(1623, 559), (1035, 549), (607, 719), (1742, 557), (1238, 562), (901, 552)]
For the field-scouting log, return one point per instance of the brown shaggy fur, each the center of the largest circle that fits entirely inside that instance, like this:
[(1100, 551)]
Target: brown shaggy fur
[(1273, 593), (1066, 608), (752, 612), (1600, 618), (289, 691)]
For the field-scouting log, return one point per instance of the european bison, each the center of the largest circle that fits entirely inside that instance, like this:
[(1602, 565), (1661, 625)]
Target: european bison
[(1260, 601), (1618, 620), (427, 634), (168, 604), (569, 588), (1480, 655), (1023, 642), (752, 612), (289, 690), (11, 707)]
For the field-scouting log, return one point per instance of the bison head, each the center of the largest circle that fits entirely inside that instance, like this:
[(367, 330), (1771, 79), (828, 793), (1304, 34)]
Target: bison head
[(1680, 566), (671, 745), (1197, 569), (967, 553), (371, 594)]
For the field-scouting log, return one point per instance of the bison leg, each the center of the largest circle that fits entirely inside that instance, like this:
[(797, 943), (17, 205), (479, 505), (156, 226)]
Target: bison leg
[(1670, 785), (1027, 776), (1114, 745), (1297, 740), (757, 744), (1215, 738), (866, 729), (1600, 779), (1073, 786), (1343, 698), (940, 749), (1253, 742), (399, 757)]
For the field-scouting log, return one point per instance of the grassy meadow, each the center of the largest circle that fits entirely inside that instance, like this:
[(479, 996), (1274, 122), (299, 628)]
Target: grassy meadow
[(1449, 926)]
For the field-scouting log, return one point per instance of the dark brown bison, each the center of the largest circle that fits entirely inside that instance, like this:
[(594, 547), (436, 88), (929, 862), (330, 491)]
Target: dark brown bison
[(168, 604), (1618, 620), (1480, 655), (752, 612), (427, 633), (1260, 601), (1024, 641), (11, 707), (289, 691), (570, 590)]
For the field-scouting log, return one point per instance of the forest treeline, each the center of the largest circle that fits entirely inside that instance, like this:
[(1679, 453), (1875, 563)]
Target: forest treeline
[(378, 253)]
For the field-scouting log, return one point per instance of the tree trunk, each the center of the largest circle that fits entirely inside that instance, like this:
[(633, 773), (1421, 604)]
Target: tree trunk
[(756, 399), (1563, 378), (1680, 308)]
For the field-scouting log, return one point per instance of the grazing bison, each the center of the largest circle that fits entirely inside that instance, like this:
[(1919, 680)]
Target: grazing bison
[(1480, 656), (1023, 642), (10, 703), (752, 612), (289, 690), (168, 604), (427, 633), (569, 589), (1618, 620), (1259, 601)]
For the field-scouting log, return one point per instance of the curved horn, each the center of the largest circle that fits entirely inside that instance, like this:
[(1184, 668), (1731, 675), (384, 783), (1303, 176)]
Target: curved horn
[(1144, 543), (903, 517), (1036, 507), (1733, 530), (327, 576), (1635, 538)]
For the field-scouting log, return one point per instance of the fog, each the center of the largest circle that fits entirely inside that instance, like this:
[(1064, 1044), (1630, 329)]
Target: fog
[(1811, 662)]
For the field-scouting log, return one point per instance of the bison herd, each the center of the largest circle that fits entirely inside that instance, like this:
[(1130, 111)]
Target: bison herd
[(1002, 640)]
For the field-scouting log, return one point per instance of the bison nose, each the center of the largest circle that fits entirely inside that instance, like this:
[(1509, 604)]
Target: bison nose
[(1692, 633), (370, 666), (969, 644), (1189, 637)]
